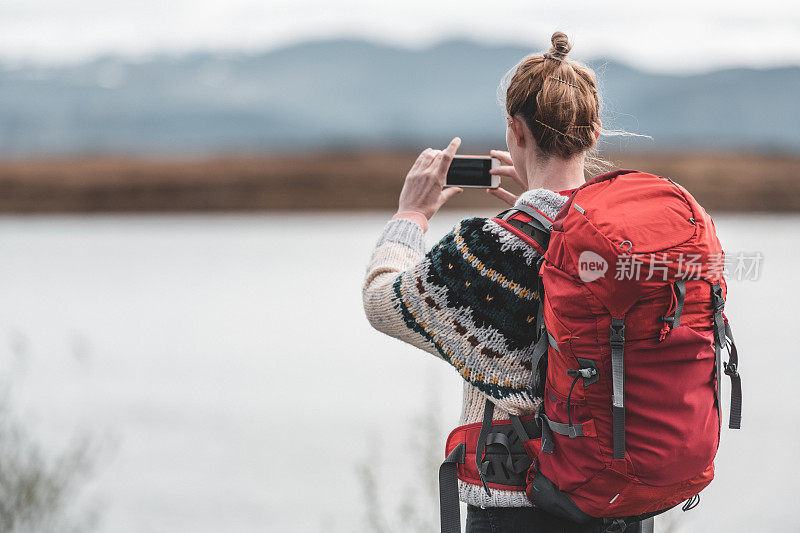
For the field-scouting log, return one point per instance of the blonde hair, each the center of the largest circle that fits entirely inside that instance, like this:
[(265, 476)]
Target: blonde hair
[(558, 100)]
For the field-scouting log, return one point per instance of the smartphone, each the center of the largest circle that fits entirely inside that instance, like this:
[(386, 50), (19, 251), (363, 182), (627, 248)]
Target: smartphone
[(473, 171)]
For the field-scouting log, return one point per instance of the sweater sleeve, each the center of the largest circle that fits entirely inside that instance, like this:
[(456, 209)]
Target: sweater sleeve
[(470, 300), (466, 301)]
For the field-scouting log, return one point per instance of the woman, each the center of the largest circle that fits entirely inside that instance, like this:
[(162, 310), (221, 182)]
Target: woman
[(468, 300)]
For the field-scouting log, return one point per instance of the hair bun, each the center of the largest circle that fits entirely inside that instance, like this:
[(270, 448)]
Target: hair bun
[(560, 46)]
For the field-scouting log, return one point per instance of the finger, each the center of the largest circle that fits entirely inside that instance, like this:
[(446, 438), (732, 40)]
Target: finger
[(509, 172), (504, 170), (417, 162), (424, 154), (452, 148), (504, 195), (423, 160), (449, 192), (503, 156), (446, 157), (433, 162)]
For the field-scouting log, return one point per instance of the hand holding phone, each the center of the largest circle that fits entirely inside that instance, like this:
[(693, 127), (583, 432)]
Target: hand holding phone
[(472, 171), (424, 189), (507, 170)]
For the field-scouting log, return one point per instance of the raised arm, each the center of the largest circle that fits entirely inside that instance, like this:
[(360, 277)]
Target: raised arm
[(467, 301)]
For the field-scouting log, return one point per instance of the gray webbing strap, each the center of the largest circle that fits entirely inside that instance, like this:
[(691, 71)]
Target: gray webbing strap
[(552, 341), (572, 431), (505, 215), (617, 342), (723, 336), (718, 305), (547, 435), (546, 225), (449, 506), (540, 348), (488, 415), (680, 289), (718, 375), (533, 228), (732, 371), (519, 428), (549, 427), (648, 525)]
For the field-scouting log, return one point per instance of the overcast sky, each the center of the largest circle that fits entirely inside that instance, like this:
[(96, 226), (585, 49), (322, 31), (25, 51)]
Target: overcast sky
[(667, 36)]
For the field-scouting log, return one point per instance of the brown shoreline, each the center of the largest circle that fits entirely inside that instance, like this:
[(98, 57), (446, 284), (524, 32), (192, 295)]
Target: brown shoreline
[(342, 181)]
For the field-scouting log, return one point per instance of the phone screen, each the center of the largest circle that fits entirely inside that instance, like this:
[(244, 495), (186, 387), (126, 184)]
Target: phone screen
[(470, 172)]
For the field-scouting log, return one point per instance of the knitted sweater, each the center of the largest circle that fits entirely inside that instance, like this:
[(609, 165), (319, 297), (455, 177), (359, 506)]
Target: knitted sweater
[(471, 301)]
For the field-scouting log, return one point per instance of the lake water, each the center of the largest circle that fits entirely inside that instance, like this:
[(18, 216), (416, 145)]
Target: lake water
[(223, 366)]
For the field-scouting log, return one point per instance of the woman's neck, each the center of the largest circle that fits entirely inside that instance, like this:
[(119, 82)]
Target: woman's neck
[(556, 174)]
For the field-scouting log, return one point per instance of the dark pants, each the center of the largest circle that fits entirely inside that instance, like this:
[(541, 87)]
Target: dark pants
[(525, 520)]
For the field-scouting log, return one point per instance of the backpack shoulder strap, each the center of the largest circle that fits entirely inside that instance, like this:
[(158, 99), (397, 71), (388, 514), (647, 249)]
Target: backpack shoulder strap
[(528, 223), (534, 227)]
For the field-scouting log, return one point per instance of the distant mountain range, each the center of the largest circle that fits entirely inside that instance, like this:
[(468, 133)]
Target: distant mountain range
[(339, 93)]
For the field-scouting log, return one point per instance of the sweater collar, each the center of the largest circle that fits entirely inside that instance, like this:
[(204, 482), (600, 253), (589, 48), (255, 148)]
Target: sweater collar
[(547, 201)]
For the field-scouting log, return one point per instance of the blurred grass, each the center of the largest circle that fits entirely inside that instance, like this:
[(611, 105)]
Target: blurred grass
[(344, 181), (39, 489), (389, 507)]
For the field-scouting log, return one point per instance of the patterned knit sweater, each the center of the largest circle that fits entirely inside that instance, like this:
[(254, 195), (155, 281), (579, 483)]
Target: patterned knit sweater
[(471, 301)]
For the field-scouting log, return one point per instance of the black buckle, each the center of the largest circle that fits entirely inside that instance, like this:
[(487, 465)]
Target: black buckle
[(731, 370), (616, 525), (617, 339), (538, 414)]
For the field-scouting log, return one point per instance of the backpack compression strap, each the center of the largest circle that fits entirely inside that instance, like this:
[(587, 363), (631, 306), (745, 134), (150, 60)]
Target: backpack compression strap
[(617, 342), (488, 415), (723, 337), (448, 490)]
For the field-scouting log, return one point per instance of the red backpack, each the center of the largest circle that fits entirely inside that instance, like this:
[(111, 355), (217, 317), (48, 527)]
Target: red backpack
[(628, 360)]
